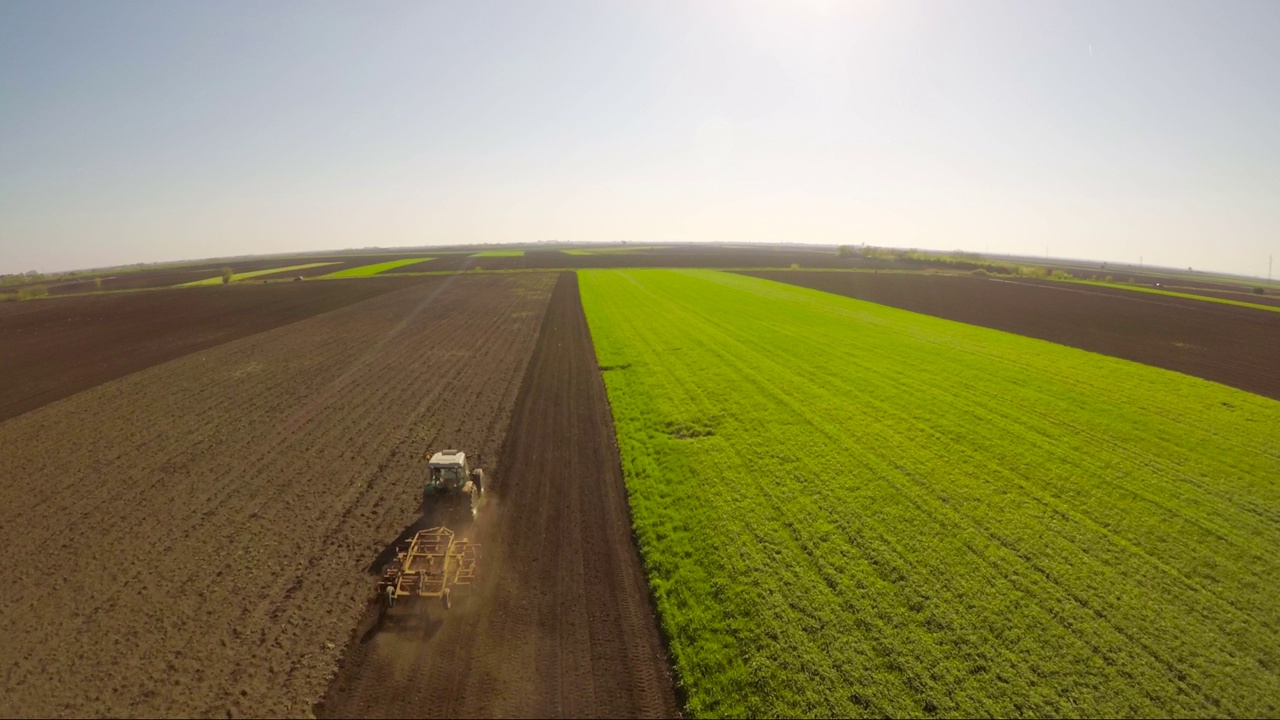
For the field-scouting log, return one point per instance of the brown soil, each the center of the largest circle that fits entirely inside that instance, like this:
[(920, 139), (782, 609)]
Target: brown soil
[(561, 623), (193, 539), (1232, 345), (51, 349)]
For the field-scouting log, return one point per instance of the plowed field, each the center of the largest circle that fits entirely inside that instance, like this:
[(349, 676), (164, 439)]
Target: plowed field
[(560, 624), (1235, 346), (194, 538), (51, 349)]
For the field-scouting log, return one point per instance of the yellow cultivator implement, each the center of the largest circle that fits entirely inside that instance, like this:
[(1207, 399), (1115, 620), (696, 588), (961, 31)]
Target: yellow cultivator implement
[(433, 563)]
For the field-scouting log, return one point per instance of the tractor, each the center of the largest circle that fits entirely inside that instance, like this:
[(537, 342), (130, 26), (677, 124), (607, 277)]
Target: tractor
[(434, 562), (453, 488)]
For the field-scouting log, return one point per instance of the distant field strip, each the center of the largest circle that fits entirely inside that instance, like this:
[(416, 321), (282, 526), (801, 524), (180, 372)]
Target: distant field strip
[(256, 273), (847, 509), (1172, 293), (371, 270), (614, 251), (499, 253)]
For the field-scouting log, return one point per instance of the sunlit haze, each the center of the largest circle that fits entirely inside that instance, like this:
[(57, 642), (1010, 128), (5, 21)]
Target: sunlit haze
[(139, 132)]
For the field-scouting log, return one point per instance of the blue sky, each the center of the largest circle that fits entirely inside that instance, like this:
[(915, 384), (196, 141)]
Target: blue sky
[(134, 132)]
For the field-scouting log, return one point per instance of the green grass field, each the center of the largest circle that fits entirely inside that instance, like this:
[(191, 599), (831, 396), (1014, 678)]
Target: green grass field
[(849, 509), (371, 270), (499, 253), (237, 277)]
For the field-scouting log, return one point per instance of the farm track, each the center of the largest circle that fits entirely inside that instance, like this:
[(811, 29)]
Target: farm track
[(1234, 346), (561, 625), (193, 539), (52, 349)]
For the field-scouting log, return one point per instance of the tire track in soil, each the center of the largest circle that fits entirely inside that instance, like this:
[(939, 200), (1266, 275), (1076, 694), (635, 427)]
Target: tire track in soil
[(561, 624)]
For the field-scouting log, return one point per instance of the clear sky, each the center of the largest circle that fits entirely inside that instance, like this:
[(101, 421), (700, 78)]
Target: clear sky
[(146, 131)]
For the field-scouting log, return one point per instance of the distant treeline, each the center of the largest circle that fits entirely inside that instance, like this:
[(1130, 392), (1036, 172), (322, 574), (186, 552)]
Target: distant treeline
[(959, 261)]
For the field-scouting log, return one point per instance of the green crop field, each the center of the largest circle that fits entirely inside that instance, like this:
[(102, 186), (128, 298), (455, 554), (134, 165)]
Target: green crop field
[(499, 253), (371, 270), (237, 277), (849, 509)]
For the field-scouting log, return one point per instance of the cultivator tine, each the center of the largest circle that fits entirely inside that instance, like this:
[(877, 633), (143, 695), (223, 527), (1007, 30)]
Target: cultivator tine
[(465, 555), (431, 585)]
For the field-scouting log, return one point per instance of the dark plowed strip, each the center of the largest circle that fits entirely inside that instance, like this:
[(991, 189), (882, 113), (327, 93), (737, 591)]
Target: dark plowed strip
[(52, 349), (562, 625), (1233, 345)]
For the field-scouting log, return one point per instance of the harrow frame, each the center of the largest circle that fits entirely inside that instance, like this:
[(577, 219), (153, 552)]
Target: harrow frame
[(430, 565)]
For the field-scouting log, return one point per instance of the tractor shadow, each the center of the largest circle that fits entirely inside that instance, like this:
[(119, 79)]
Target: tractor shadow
[(389, 552)]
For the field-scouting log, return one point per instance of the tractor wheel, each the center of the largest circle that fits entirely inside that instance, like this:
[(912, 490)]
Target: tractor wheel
[(388, 601)]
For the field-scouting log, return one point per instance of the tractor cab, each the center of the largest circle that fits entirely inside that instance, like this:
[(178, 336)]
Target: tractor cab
[(452, 482), (449, 470)]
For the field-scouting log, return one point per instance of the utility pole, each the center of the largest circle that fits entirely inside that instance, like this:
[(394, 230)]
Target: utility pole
[(1270, 259)]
